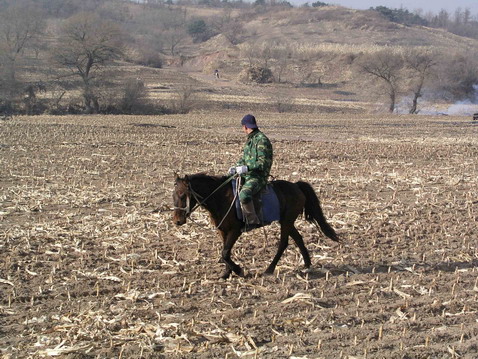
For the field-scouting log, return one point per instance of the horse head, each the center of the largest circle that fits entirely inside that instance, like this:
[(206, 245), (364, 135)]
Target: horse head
[(181, 200)]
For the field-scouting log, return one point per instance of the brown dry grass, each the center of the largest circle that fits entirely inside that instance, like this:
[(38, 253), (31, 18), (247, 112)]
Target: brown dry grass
[(346, 30), (91, 266)]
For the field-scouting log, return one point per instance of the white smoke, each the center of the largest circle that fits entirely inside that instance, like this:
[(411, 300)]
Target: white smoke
[(466, 107)]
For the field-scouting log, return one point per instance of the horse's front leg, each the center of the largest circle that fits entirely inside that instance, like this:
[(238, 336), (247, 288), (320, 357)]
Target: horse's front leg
[(230, 239)]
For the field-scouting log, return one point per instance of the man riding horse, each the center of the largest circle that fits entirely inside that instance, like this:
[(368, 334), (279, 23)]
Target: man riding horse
[(254, 167), (213, 194)]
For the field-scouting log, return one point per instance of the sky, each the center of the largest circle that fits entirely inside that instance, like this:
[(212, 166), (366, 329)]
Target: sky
[(427, 5)]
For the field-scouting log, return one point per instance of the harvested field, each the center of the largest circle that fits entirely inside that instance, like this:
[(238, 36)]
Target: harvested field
[(92, 267)]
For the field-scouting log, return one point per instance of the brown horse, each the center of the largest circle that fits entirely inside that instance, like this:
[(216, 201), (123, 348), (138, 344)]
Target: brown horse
[(215, 194)]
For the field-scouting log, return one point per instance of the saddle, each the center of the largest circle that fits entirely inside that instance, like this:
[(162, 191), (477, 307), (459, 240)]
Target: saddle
[(266, 204)]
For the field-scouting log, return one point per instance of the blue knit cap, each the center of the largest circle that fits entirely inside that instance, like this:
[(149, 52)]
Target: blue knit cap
[(249, 121)]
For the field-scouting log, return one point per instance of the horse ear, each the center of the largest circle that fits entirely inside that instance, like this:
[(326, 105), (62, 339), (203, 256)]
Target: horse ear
[(176, 176)]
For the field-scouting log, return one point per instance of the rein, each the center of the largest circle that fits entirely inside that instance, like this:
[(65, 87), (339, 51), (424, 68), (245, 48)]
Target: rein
[(238, 180)]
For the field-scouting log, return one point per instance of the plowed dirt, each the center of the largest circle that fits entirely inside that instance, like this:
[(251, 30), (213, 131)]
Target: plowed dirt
[(91, 265)]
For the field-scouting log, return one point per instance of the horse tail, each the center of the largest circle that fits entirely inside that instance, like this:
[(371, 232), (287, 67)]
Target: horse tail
[(313, 212)]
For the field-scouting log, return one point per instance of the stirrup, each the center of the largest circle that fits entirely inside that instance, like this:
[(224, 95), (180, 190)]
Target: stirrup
[(250, 226)]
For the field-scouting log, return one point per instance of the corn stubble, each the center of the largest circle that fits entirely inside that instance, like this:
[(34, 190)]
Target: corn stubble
[(91, 265)]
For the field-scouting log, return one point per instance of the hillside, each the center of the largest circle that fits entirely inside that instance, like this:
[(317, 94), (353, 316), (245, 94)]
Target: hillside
[(364, 29), (312, 59), (324, 41)]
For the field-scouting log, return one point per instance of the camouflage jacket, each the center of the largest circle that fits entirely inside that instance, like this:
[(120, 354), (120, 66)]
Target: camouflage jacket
[(257, 156)]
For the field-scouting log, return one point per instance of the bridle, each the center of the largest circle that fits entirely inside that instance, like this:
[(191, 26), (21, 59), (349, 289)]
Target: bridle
[(186, 209), (196, 196), (200, 202)]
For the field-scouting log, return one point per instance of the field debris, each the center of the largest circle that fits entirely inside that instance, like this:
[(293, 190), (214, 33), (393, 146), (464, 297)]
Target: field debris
[(92, 267)]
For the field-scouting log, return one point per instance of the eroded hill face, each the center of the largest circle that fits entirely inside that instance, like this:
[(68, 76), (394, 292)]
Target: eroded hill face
[(316, 48)]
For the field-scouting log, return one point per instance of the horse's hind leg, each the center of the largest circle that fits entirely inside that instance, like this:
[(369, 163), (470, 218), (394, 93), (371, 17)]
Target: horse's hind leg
[(229, 241), (297, 237), (283, 243)]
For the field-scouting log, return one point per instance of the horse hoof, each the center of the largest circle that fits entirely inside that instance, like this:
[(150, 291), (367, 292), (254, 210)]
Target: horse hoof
[(269, 272), (226, 275), (240, 272)]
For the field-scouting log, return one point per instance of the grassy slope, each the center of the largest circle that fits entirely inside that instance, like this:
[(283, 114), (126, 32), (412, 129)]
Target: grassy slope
[(329, 35)]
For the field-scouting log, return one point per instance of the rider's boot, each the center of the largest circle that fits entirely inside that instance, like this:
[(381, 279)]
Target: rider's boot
[(251, 220)]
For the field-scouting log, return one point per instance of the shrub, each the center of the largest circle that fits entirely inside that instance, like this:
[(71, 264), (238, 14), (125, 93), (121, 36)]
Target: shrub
[(199, 30), (6, 107), (283, 103), (319, 4), (133, 97), (185, 100), (260, 75), (150, 58), (401, 16)]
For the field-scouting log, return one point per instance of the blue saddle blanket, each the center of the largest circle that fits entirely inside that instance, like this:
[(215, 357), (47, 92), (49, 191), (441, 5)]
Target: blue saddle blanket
[(270, 204)]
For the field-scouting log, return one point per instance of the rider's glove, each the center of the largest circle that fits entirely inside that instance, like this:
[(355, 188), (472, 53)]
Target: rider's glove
[(231, 171), (241, 170)]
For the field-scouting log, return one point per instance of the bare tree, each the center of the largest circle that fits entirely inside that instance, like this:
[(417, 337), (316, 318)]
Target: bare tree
[(86, 45), (265, 54), (442, 19), (458, 16), (281, 54), (173, 38), (20, 27), (466, 16), (229, 26), (234, 31), (173, 28), (386, 68), (185, 100), (457, 75), (249, 51), (421, 65)]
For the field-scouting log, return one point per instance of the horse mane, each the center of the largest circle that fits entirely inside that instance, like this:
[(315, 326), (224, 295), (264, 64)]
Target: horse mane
[(202, 176), (205, 184)]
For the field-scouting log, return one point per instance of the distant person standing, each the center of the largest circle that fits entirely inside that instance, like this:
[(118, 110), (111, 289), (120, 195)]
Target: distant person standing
[(216, 73)]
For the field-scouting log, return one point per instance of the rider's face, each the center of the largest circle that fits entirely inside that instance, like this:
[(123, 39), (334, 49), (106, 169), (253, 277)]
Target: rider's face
[(247, 130)]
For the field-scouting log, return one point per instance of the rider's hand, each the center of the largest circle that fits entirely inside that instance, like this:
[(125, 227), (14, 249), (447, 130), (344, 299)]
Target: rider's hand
[(241, 170), (231, 171)]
